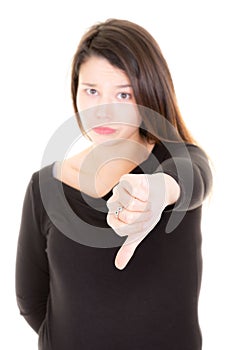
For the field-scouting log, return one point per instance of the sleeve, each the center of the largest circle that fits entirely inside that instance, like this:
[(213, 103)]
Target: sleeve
[(189, 166), (32, 273)]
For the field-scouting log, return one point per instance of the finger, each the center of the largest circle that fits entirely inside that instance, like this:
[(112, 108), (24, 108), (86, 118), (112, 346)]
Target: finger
[(113, 202), (126, 252), (117, 225), (130, 202), (123, 229), (133, 217), (121, 197), (136, 185)]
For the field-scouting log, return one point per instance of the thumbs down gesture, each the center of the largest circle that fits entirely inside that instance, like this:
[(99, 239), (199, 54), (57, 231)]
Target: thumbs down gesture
[(136, 207)]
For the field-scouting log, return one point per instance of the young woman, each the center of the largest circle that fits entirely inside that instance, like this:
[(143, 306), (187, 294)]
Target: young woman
[(96, 267)]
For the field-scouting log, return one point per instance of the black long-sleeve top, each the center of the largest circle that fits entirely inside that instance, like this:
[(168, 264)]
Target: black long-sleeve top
[(68, 288)]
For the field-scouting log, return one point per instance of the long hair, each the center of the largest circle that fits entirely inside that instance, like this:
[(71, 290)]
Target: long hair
[(132, 49)]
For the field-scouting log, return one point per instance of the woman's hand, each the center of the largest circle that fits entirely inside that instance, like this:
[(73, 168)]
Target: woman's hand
[(136, 207)]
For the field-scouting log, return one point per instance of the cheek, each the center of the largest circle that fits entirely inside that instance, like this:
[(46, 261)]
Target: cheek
[(126, 113), (85, 101), (81, 102), (132, 117)]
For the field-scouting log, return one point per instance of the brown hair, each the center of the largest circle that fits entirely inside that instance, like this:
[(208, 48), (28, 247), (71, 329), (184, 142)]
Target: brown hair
[(131, 48)]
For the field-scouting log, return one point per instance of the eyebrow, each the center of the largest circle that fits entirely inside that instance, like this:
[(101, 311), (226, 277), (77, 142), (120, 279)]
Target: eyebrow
[(118, 86)]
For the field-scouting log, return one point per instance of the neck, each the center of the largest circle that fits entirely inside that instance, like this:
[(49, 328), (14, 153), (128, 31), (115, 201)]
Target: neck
[(123, 149), (104, 164)]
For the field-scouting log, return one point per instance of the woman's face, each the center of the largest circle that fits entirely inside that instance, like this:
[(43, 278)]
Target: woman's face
[(106, 102)]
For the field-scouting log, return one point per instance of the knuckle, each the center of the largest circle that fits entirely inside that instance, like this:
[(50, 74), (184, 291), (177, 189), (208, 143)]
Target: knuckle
[(133, 204), (127, 217), (131, 218), (136, 192), (123, 216), (115, 191), (110, 205)]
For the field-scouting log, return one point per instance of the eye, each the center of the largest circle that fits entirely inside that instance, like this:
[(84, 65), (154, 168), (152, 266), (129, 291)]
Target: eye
[(91, 91), (124, 96)]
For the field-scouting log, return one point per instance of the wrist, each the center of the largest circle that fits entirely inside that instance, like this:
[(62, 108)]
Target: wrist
[(166, 188), (172, 189)]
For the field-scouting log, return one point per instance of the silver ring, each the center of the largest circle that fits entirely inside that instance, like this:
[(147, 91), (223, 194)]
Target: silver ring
[(117, 212)]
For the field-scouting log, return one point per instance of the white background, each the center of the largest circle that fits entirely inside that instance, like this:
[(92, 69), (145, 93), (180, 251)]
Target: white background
[(38, 40)]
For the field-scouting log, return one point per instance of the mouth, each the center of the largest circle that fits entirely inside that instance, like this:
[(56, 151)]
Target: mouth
[(104, 130)]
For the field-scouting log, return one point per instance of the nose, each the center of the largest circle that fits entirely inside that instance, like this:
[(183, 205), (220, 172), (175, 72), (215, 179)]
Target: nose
[(104, 112)]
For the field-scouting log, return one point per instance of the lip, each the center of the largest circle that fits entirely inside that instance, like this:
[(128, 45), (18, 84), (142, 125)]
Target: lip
[(104, 130)]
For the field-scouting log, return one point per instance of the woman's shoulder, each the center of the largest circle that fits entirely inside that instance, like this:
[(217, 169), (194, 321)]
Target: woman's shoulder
[(175, 148), (58, 169)]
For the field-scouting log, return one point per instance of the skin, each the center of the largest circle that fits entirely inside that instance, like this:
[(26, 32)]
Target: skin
[(105, 98), (106, 93)]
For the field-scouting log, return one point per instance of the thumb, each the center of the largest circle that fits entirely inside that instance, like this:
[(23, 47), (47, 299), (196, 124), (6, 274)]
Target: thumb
[(126, 252)]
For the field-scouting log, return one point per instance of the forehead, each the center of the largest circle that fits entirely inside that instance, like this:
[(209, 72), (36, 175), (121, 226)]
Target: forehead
[(99, 68)]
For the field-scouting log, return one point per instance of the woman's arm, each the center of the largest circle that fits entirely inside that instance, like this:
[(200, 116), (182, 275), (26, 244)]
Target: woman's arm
[(189, 166), (183, 179), (32, 274), (172, 189)]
